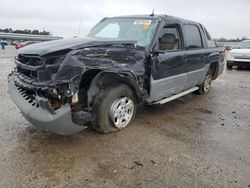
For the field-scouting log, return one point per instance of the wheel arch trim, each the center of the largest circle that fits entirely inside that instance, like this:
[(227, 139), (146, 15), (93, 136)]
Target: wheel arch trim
[(104, 78)]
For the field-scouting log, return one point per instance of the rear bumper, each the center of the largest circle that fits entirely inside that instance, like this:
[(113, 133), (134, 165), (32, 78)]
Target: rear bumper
[(59, 122)]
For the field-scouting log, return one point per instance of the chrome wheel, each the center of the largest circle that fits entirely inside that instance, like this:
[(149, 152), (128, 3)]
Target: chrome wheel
[(207, 83), (121, 112)]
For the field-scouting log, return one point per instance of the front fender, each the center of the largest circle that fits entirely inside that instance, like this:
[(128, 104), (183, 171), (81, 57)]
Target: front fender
[(104, 79)]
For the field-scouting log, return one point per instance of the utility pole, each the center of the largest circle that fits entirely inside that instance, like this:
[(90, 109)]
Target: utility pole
[(79, 29)]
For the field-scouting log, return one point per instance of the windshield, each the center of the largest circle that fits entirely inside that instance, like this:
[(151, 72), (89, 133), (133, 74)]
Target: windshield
[(244, 45), (139, 30)]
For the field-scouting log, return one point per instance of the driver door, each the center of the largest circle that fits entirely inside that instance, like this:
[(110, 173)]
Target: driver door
[(169, 65)]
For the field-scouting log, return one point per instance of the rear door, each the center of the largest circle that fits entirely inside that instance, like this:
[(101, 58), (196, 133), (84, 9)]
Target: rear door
[(197, 55), (169, 66)]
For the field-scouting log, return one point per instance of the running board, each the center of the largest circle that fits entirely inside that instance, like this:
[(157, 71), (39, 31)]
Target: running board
[(176, 96)]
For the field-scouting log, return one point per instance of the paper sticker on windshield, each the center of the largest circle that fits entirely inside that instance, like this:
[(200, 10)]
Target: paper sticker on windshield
[(145, 26), (142, 22)]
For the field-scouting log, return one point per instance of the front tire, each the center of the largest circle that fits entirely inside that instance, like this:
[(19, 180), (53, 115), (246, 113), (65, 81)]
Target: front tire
[(114, 108)]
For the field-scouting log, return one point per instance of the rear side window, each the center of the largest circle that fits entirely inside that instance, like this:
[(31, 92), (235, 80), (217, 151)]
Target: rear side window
[(208, 35), (193, 36), (210, 42)]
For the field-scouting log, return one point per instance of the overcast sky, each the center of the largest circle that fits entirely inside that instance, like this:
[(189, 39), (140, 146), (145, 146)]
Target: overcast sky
[(227, 18)]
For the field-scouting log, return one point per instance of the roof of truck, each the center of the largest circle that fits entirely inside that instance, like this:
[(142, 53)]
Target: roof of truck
[(158, 17)]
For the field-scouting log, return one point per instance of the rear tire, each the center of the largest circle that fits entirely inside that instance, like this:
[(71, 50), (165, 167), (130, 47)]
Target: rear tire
[(114, 108), (206, 84)]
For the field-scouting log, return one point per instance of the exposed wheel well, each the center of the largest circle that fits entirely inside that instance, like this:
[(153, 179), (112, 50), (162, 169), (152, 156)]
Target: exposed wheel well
[(95, 80)]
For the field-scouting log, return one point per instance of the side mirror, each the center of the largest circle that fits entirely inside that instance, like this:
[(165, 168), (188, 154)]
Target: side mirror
[(157, 51)]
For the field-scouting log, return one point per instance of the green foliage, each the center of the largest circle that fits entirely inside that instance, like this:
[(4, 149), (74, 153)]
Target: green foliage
[(222, 39), (25, 31)]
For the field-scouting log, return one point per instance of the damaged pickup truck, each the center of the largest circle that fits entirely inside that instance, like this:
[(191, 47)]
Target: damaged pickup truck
[(61, 86)]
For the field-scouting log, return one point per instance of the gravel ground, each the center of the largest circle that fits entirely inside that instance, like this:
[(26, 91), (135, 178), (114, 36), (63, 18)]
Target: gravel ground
[(194, 141), (9, 52)]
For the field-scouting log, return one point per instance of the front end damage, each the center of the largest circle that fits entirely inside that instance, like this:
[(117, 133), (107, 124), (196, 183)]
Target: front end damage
[(55, 92), (40, 113)]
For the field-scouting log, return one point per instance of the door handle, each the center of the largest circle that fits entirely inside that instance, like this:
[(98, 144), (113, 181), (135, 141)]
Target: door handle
[(202, 57), (184, 59)]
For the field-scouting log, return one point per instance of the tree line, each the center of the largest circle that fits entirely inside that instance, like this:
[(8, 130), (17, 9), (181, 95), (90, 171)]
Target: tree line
[(25, 31), (222, 39)]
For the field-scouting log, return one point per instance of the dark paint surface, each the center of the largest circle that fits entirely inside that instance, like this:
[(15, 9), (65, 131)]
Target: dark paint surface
[(169, 64), (45, 48), (113, 59)]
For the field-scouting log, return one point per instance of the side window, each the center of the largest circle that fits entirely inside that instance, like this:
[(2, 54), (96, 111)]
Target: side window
[(210, 42), (170, 38), (208, 35), (109, 31), (193, 36)]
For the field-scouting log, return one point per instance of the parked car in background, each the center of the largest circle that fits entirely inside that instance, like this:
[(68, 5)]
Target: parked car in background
[(239, 56), (62, 85), (14, 43), (26, 43)]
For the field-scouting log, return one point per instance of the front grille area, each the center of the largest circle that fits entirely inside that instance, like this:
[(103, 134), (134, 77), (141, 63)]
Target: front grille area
[(28, 96), (29, 73), (241, 62), (33, 60), (38, 68), (242, 57)]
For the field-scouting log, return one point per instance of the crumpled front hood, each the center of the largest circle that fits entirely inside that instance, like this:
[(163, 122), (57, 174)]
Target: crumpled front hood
[(45, 48), (112, 59)]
